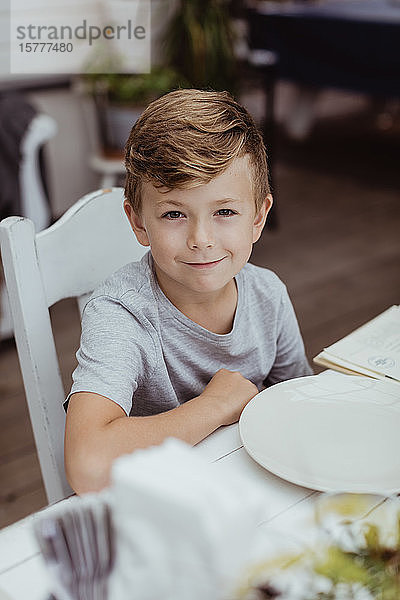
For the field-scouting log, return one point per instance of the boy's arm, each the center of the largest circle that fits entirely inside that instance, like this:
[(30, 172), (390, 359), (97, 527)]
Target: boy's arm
[(98, 430)]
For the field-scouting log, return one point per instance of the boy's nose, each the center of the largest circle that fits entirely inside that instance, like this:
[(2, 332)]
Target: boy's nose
[(200, 237)]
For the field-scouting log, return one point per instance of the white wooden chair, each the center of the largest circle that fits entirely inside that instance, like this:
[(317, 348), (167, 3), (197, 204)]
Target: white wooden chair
[(69, 259), (33, 198)]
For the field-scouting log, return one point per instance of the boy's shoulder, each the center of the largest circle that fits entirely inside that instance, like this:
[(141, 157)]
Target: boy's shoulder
[(132, 281), (263, 281)]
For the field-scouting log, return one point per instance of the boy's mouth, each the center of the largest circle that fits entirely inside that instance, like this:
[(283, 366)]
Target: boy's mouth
[(204, 265)]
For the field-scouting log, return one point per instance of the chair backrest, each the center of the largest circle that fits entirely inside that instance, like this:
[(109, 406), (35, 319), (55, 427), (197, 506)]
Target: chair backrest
[(69, 259)]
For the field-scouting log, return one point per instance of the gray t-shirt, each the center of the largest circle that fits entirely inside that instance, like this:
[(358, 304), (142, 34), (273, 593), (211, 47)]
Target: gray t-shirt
[(140, 351)]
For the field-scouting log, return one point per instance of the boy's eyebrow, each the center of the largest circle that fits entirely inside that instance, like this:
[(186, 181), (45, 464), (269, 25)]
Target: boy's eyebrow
[(228, 200), (177, 203), (173, 202)]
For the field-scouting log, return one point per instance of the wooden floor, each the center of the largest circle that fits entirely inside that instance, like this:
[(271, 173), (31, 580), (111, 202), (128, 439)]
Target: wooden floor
[(337, 248)]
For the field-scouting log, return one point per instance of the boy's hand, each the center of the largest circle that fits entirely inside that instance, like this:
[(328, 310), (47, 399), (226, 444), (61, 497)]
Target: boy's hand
[(231, 392)]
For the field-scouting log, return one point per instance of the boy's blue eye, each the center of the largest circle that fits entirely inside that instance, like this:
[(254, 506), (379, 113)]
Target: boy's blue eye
[(226, 212), (172, 214)]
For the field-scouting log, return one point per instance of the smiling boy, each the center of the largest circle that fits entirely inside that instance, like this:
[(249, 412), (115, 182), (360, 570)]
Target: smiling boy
[(177, 344)]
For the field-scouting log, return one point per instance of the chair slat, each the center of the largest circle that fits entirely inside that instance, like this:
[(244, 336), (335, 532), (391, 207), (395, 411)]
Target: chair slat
[(36, 350)]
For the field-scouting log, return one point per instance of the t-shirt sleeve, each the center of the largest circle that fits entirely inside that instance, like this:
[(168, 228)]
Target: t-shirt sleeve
[(115, 353), (290, 360)]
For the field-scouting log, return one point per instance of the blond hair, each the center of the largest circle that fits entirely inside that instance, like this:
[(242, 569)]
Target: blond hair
[(188, 137)]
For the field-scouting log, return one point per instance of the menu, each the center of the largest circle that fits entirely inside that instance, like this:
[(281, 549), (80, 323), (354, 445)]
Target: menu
[(372, 350)]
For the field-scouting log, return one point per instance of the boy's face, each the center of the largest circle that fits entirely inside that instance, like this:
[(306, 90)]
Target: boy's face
[(200, 238)]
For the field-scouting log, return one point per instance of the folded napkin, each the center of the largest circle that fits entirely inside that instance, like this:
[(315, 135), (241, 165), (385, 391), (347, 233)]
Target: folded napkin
[(183, 530)]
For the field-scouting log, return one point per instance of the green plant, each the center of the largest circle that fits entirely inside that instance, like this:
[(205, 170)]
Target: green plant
[(199, 44), (125, 89)]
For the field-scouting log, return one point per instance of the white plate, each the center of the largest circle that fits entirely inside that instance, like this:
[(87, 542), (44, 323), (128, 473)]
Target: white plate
[(329, 432)]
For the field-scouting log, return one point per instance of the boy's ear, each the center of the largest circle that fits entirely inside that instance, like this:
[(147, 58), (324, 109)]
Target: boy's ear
[(137, 224), (261, 217)]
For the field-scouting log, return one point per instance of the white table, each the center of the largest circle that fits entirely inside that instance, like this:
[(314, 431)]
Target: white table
[(22, 572)]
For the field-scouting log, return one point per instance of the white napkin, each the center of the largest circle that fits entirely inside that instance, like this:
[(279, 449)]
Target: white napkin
[(184, 531)]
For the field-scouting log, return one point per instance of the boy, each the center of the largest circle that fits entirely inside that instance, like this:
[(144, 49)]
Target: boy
[(178, 343)]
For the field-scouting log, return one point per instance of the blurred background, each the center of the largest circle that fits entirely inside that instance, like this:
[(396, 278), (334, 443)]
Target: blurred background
[(320, 77)]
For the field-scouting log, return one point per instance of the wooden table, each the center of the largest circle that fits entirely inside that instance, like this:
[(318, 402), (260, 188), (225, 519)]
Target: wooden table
[(22, 572)]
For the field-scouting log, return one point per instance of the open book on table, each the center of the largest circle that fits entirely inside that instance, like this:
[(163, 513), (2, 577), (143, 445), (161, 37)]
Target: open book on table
[(372, 350)]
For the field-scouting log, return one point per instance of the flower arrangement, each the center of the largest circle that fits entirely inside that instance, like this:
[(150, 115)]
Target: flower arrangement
[(356, 558)]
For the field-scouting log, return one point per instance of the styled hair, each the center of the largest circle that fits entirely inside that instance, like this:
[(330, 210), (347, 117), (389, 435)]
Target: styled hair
[(186, 138)]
